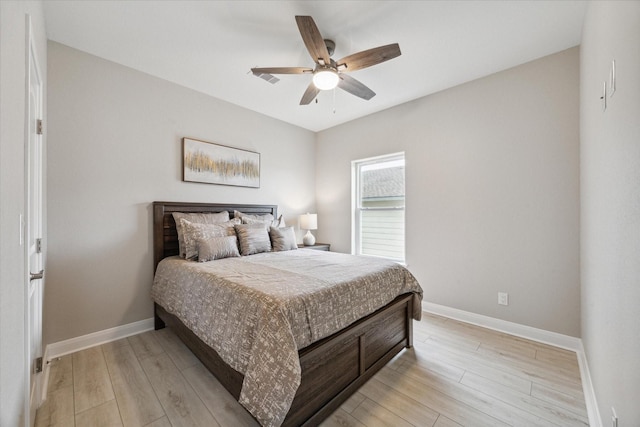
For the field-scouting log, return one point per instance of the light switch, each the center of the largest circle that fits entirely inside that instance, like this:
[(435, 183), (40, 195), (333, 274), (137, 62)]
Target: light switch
[(612, 78), (21, 229)]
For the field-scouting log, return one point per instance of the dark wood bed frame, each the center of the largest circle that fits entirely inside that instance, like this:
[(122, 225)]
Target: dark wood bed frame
[(332, 368)]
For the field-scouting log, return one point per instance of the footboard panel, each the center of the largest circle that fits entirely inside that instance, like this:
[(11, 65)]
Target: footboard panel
[(332, 368), (385, 333)]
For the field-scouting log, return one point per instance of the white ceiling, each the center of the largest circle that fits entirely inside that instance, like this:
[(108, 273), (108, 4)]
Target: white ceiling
[(209, 46)]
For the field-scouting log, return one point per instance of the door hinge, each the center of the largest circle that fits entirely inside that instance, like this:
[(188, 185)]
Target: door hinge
[(39, 126), (39, 246), (38, 365)]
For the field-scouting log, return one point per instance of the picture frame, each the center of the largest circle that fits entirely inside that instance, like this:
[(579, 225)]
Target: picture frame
[(211, 163)]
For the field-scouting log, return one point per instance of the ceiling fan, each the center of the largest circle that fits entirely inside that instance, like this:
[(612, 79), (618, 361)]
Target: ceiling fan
[(329, 73)]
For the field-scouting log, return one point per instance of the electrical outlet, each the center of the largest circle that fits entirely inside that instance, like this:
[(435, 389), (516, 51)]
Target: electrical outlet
[(503, 298), (614, 417)]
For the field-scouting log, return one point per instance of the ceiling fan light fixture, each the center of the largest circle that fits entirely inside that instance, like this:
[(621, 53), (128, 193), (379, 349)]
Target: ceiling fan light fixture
[(329, 73), (326, 79)]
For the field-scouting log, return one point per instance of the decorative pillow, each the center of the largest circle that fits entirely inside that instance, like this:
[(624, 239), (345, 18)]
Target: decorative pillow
[(194, 231), (238, 214), (201, 218), (265, 221), (253, 238), (283, 239), (217, 248)]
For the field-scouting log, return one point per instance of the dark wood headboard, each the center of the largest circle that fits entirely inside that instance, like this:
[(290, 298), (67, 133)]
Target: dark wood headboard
[(165, 237)]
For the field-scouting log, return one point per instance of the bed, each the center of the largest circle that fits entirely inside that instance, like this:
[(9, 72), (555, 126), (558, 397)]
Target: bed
[(330, 369)]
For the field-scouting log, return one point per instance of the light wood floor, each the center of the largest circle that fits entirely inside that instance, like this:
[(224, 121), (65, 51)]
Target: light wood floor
[(456, 375)]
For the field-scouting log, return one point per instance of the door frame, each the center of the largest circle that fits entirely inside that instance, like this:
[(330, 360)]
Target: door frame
[(33, 397)]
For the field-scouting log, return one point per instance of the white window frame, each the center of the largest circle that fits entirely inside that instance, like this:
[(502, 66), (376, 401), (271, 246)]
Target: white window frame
[(356, 209)]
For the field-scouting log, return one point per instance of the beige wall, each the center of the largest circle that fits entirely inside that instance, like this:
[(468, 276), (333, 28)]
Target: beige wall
[(492, 190), (610, 176), (115, 147), (12, 204)]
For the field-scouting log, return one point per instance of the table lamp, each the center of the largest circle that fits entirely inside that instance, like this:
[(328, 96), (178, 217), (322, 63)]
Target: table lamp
[(309, 222)]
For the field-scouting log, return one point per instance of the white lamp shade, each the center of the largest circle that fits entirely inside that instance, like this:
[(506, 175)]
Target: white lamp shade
[(309, 221)]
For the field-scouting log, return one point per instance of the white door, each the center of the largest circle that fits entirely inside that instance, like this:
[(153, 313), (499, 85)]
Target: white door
[(33, 233)]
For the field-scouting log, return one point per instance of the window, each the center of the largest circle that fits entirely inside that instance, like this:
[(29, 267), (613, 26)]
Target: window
[(378, 200)]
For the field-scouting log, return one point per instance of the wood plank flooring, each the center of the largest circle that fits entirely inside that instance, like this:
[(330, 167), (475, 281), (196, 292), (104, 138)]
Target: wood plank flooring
[(456, 375)]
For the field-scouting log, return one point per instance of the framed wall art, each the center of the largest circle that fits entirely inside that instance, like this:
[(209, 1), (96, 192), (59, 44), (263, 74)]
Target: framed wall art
[(219, 164)]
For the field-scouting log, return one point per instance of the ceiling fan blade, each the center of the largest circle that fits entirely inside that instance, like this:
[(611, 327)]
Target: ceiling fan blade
[(367, 58), (354, 87), (309, 94), (282, 70), (313, 39)]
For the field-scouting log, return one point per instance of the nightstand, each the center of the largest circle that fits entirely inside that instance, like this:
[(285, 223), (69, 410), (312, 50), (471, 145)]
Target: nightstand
[(317, 246)]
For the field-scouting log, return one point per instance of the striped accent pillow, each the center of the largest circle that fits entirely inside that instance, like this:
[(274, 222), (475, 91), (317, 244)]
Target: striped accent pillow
[(283, 239), (253, 238)]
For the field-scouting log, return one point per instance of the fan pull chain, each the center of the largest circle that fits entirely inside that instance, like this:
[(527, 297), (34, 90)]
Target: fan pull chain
[(334, 100)]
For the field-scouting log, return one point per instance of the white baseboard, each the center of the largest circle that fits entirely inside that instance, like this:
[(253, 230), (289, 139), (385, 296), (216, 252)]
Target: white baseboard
[(589, 391), (540, 335), (72, 345), (97, 338)]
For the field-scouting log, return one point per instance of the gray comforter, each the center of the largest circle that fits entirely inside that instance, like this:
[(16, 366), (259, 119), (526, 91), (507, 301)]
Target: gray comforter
[(258, 311)]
